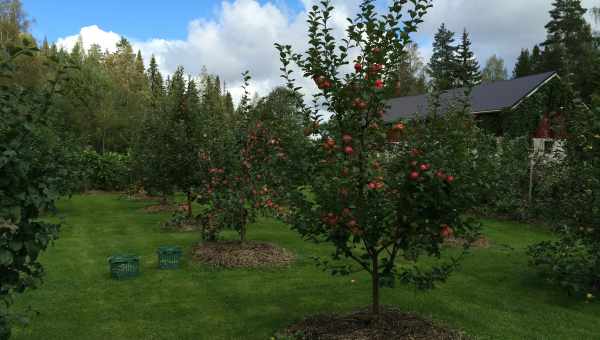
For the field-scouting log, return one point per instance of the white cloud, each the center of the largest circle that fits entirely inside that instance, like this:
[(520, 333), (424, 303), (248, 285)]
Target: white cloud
[(91, 35), (242, 34)]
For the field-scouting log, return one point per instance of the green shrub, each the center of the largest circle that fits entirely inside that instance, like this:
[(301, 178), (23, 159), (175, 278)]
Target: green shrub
[(572, 202), (110, 171)]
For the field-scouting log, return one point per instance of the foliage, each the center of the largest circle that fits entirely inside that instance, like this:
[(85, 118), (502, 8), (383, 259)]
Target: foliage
[(574, 260), (494, 70), (372, 201), (468, 73), (569, 45), (443, 66), (110, 171), (248, 167), (33, 173), (523, 66)]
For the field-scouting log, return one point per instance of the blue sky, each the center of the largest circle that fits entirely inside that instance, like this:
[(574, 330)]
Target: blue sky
[(141, 19)]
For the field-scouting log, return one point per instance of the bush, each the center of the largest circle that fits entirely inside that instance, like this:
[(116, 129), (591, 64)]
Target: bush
[(573, 204), (110, 171)]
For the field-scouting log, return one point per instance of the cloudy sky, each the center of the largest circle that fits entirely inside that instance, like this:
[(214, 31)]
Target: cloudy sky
[(230, 36)]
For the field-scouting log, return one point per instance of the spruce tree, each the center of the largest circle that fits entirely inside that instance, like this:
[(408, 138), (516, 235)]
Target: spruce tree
[(139, 63), (442, 65), (468, 73), (569, 45), (536, 60), (155, 80), (523, 66)]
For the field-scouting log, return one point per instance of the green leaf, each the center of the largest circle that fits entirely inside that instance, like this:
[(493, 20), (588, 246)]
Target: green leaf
[(6, 257)]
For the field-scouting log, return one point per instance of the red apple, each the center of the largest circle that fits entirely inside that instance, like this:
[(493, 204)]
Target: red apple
[(424, 167), (450, 179), (414, 175), (358, 67), (378, 84), (446, 231), (348, 150)]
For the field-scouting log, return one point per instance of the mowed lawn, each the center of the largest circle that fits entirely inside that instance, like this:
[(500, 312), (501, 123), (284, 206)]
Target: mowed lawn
[(496, 295)]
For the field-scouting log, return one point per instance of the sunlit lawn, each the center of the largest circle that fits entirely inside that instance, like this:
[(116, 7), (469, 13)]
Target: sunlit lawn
[(495, 296)]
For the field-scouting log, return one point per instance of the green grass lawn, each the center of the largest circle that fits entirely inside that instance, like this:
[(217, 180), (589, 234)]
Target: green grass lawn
[(495, 296)]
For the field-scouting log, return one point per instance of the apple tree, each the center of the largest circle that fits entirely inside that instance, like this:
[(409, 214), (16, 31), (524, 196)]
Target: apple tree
[(246, 173), (35, 170), (382, 206)]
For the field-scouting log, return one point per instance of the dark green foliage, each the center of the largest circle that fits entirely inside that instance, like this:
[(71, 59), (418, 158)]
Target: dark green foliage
[(523, 67), (443, 64), (255, 163), (165, 154), (569, 46), (157, 90), (110, 171), (536, 60), (33, 173), (468, 74), (573, 261)]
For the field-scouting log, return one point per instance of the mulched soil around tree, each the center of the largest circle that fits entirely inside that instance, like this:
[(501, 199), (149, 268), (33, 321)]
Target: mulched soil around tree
[(235, 254), (391, 325)]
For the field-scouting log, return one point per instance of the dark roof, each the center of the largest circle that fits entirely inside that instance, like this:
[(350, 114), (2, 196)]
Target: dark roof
[(487, 97)]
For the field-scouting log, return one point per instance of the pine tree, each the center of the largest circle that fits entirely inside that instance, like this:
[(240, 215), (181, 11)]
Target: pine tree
[(468, 73), (442, 66), (523, 66), (494, 70)]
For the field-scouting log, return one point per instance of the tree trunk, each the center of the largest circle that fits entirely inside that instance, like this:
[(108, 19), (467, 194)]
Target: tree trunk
[(375, 283), (189, 204), (244, 222)]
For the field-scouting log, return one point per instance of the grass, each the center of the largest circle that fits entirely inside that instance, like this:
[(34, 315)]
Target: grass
[(495, 296)]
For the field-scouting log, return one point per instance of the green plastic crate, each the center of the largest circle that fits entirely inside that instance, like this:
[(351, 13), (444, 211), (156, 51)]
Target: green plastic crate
[(124, 266), (169, 257)]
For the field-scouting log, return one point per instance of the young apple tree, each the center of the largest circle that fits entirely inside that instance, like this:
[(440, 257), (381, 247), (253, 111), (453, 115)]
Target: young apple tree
[(377, 203), (246, 175)]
